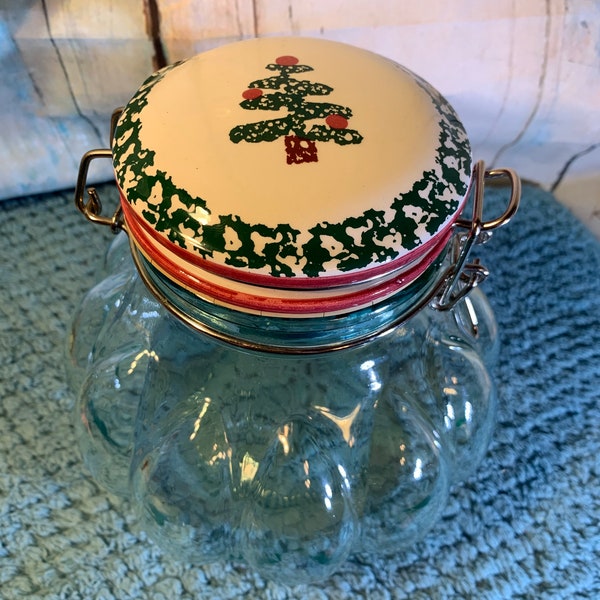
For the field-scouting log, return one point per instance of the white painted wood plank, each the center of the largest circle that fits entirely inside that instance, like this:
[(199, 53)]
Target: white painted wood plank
[(192, 26), (524, 76), (83, 57), (97, 20), (322, 16)]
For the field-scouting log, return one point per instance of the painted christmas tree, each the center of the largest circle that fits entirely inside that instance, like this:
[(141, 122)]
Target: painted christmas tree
[(305, 122)]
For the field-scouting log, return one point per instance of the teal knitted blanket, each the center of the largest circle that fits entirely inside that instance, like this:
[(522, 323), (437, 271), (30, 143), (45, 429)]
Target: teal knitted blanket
[(526, 525)]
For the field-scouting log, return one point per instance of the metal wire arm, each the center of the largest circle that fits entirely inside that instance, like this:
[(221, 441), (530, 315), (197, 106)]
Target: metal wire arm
[(92, 207), (461, 276)]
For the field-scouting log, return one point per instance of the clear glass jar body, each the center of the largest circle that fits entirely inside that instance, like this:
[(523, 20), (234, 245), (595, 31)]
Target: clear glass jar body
[(289, 462)]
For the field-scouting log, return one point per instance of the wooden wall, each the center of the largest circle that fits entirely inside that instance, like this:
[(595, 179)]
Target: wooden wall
[(524, 76)]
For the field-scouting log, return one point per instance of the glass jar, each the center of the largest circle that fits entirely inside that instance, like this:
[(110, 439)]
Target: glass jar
[(290, 390)]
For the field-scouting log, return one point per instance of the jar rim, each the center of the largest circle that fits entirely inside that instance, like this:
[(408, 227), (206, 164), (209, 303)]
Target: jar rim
[(313, 334)]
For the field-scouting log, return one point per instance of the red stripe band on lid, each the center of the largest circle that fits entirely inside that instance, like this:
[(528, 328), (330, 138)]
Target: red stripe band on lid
[(265, 300)]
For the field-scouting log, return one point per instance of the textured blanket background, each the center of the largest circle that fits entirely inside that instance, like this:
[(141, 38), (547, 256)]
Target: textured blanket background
[(525, 526)]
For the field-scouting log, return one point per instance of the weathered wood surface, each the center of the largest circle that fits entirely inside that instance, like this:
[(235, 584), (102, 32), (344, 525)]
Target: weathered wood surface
[(524, 76)]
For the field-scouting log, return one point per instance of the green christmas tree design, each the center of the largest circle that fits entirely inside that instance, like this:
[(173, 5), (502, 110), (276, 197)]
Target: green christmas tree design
[(298, 126)]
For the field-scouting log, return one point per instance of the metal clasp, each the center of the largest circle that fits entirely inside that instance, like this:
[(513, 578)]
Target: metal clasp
[(92, 207), (462, 276)]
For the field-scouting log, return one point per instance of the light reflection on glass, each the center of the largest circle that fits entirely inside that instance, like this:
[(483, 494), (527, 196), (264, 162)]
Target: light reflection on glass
[(328, 497), (402, 457), (367, 366), (198, 420), (283, 435), (218, 456), (450, 411), (468, 411), (306, 472), (249, 468), (344, 475), (344, 423), (152, 314), (418, 472), (134, 363)]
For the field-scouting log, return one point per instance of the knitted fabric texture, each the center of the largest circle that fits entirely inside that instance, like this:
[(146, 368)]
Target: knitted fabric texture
[(526, 525)]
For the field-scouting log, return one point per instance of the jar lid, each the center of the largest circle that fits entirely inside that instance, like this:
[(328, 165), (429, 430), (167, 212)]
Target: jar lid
[(290, 175)]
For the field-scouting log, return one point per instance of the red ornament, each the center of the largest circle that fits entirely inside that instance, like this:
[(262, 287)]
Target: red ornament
[(336, 122), (252, 93), (286, 61)]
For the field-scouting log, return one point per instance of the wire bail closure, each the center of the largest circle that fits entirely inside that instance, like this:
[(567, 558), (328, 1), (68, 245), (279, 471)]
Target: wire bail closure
[(462, 277), (452, 285), (92, 208)]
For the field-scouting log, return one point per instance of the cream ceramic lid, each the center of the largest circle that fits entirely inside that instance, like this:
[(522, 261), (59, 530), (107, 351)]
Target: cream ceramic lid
[(291, 163)]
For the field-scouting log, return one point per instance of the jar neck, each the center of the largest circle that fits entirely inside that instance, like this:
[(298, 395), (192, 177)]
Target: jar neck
[(286, 335)]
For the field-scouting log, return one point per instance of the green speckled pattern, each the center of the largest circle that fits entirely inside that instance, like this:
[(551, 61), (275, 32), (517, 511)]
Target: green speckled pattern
[(355, 242)]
